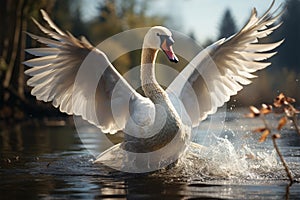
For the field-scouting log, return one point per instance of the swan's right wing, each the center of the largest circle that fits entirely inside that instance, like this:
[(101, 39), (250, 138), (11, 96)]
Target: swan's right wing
[(221, 70), (80, 80)]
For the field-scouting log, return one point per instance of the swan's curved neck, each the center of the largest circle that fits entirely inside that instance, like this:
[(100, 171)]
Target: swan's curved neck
[(150, 85), (172, 124)]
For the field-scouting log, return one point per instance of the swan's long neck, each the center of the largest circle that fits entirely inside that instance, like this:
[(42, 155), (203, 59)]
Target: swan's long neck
[(150, 85), (172, 124)]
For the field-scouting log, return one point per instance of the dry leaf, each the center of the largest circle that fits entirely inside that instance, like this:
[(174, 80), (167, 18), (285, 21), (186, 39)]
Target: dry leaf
[(266, 109), (264, 135), (276, 136), (250, 115), (290, 100), (259, 130), (282, 122), (255, 111), (279, 100)]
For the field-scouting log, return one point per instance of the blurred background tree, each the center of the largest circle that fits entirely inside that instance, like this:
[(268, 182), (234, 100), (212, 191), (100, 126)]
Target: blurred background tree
[(289, 55), (116, 16), (227, 25), (67, 14)]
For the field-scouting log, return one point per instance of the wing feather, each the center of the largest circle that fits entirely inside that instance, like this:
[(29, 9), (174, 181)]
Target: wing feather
[(50, 22), (42, 51), (79, 79), (222, 69)]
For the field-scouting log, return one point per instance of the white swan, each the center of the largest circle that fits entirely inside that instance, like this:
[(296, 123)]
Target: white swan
[(157, 128)]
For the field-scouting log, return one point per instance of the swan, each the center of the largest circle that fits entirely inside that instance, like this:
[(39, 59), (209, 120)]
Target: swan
[(157, 126)]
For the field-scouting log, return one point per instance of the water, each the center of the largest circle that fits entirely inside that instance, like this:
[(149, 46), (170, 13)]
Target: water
[(50, 162)]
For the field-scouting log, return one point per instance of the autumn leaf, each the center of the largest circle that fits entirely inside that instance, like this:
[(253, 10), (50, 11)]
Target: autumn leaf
[(266, 109), (282, 122), (264, 135), (250, 115), (290, 100), (254, 112), (279, 100), (276, 136), (259, 130)]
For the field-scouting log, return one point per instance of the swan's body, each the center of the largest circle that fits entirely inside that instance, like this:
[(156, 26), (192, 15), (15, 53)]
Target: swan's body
[(156, 127)]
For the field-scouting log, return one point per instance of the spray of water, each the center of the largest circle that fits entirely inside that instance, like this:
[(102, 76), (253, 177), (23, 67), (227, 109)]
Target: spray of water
[(224, 159)]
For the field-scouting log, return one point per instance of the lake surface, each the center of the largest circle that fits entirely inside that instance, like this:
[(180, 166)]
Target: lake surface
[(51, 162)]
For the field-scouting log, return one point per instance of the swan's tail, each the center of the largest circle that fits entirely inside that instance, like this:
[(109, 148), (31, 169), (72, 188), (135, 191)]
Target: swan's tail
[(112, 157)]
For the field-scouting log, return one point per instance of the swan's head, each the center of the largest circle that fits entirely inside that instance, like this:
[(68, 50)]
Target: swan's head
[(159, 37)]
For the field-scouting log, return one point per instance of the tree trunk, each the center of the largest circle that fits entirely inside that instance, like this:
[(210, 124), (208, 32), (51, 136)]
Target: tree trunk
[(14, 17), (15, 43)]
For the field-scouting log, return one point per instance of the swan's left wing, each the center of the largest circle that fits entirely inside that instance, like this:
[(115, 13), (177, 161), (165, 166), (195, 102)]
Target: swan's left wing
[(79, 79), (221, 70)]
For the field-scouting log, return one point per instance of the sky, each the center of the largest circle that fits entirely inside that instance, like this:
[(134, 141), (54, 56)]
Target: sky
[(202, 17)]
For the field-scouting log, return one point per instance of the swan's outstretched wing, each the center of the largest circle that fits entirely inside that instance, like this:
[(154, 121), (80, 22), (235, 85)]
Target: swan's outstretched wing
[(221, 70), (80, 80)]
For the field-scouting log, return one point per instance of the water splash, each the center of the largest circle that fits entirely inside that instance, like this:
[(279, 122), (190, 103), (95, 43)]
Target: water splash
[(223, 159)]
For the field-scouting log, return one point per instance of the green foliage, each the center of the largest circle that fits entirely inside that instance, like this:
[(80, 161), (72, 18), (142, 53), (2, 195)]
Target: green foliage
[(116, 16)]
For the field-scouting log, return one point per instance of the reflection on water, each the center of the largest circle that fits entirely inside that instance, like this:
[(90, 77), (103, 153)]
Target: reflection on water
[(39, 161)]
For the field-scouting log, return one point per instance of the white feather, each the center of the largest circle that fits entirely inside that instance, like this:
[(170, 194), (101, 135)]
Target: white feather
[(222, 69), (55, 78)]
